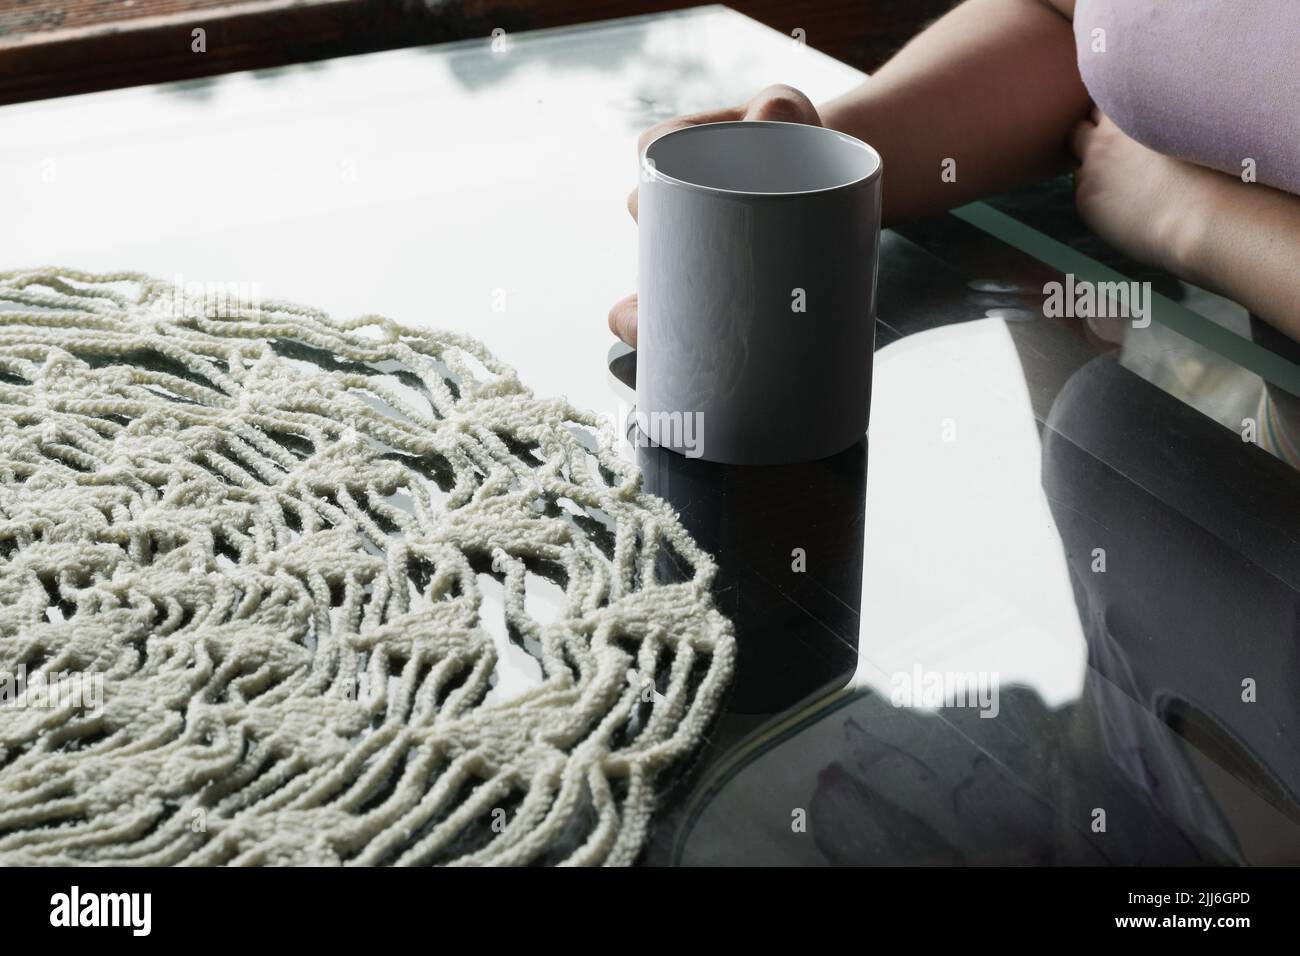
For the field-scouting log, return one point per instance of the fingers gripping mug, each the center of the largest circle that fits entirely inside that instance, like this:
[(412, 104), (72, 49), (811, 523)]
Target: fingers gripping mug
[(756, 307)]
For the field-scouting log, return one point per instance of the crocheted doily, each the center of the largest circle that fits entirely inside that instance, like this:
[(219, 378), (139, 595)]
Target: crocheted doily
[(270, 536)]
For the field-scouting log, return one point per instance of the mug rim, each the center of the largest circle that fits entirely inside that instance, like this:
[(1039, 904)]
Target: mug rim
[(655, 173)]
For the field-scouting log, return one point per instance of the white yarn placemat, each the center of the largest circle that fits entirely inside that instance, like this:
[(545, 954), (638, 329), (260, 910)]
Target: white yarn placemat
[(266, 534)]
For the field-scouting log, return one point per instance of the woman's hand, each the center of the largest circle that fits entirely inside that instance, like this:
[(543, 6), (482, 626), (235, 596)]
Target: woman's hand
[(1239, 239), (783, 104), (1141, 202)]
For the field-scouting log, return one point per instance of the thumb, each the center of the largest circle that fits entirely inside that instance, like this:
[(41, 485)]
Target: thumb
[(782, 104)]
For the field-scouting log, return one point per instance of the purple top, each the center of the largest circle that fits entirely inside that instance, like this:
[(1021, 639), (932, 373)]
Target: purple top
[(1210, 81)]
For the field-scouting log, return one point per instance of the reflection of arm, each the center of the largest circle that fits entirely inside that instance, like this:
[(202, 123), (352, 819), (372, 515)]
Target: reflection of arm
[(994, 85), (1243, 240)]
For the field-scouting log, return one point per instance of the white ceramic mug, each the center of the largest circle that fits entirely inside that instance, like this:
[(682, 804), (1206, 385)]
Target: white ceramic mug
[(756, 307)]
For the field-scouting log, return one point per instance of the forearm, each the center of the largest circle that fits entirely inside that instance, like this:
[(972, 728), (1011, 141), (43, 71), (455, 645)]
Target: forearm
[(1243, 241), (993, 85)]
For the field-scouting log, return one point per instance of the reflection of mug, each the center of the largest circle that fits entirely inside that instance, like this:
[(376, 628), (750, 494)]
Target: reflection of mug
[(757, 300), (797, 620)]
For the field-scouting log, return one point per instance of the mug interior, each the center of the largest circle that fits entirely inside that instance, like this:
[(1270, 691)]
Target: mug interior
[(761, 157)]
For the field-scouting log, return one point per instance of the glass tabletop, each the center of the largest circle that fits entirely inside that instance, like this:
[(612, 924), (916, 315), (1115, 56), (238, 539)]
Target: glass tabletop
[(1045, 614), (1029, 620)]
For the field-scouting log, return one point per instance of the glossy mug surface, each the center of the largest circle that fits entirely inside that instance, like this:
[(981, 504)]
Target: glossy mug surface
[(759, 245)]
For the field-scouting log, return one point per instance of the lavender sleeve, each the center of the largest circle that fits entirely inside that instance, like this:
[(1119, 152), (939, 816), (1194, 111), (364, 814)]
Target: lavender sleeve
[(1216, 82)]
